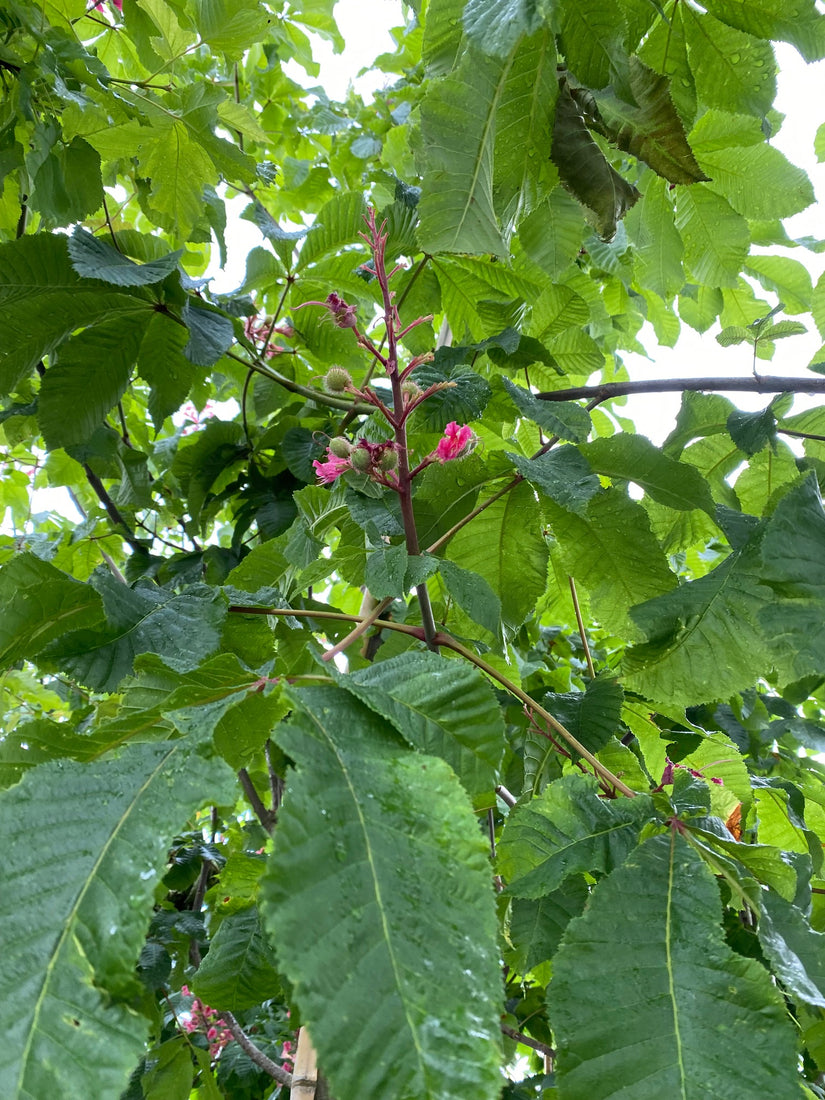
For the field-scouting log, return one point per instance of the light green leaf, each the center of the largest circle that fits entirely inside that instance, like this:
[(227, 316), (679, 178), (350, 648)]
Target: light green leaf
[(706, 1019), (757, 181), (40, 603), (793, 567), (715, 237), (553, 232), (788, 278), (794, 21), (733, 71), (240, 971), (494, 26), (473, 595), (634, 458), (613, 553), (231, 27), (795, 950), (505, 546), (179, 169), (688, 628), (90, 376), (397, 996), (172, 39), (439, 706), (338, 222), (658, 243), (96, 259), (567, 830), (77, 905), (458, 134)]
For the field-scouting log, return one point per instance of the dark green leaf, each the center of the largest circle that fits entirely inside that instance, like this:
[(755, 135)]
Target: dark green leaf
[(239, 971), (593, 715), (563, 474), (210, 334), (473, 595), (565, 419), (95, 258)]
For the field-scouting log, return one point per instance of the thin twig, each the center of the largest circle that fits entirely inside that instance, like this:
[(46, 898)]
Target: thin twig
[(763, 384), (575, 598), (261, 812), (255, 1053), (534, 1044), (276, 783), (112, 510), (506, 797)]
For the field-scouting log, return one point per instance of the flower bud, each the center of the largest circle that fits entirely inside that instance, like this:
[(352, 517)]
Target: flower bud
[(388, 460), (360, 459), (337, 379), (340, 447), (410, 390)]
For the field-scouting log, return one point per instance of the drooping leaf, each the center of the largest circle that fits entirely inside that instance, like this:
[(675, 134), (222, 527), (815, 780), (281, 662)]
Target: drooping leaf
[(77, 905), (376, 828), (97, 259), (794, 949), (584, 171), (210, 334), (653, 130), (567, 830), (705, 1016)]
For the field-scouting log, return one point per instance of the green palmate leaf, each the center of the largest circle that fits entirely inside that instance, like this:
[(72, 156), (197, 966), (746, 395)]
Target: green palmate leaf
[(473, 595), (593, 715), (506, 547), (40, 603), (584, 171), (794, 949), (96, 259), (458, 132), (496, 27), (537, 924), (399, 999), (565, 419), (653, 130), (715, 237), (563, 474), (733, 71), (687, 629), (613, 553), (567, 830), (440, 707), (183, 628), (239, 971), (706, 1016), (794, 21), (77, 906), (793, 567), (634, 458), (42, 300)]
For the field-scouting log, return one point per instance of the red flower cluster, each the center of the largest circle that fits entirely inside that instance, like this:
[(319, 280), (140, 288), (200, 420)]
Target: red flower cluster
[(379, 459), (456, 442), (261, 331), (206, 1020)]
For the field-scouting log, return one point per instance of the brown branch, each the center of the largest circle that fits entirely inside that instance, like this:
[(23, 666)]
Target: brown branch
[(112, 510), (255, 1053), (534, 1044), (764, 384), (265, 816)]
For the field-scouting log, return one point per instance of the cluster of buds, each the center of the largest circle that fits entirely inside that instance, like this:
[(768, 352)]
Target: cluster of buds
[(261, 332), (377, 460), (206, 1020)]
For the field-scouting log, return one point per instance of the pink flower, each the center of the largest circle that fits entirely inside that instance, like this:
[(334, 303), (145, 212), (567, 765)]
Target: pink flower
[(455, 443), (332, 468)]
